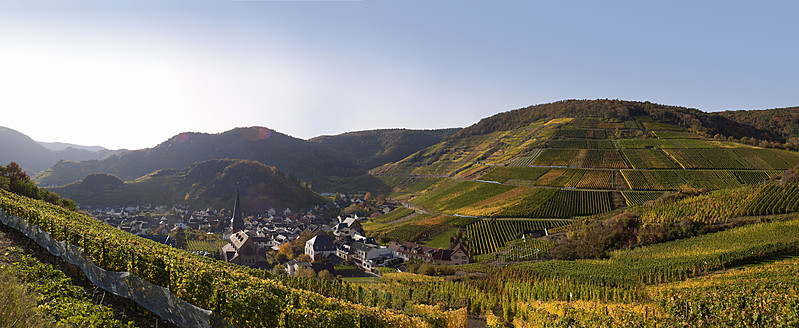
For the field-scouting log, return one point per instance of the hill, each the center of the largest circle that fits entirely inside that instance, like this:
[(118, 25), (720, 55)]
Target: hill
[(205, 184), (538, 164), (370, 149), (34, 157), (736, 124), (298, 157)]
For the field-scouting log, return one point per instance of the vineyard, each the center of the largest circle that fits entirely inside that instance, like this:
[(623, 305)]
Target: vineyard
[(677, 260), (582, 133), (636, 198), (595, 158), (649, 159), (773, 199), (738, 158), (569, 203), (596, 180), (757, 296), (489, 235), (243, 296), (581, 144), (678, 179), (528, 159)]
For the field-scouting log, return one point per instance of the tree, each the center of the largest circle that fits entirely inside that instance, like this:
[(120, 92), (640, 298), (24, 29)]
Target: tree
[(286, 250), (298, 245), (281, 258), (180, 239), (14, 172), (304, 258)]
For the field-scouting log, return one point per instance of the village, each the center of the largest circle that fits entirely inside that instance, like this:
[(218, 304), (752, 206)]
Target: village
[(308, 243)]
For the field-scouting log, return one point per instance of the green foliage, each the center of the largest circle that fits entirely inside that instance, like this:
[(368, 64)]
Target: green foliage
[(13, 179), (67, 304)]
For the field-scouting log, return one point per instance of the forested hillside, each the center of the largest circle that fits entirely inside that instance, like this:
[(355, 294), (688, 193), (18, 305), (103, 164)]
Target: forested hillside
[(369, 149), (202, 185)]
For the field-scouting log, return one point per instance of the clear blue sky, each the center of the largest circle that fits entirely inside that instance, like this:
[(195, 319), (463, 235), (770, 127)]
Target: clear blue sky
[(130, 74)]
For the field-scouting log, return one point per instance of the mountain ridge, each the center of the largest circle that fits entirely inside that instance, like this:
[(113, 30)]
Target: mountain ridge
[(34, 157)]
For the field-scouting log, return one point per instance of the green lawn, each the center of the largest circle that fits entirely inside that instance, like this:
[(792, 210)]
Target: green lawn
[(441, 240)]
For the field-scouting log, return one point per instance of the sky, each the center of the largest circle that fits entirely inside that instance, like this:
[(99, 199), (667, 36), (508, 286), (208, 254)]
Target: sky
[(131, 74)]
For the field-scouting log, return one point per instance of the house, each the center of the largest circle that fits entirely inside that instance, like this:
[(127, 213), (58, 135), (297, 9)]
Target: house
[(367, 257), (410, 251), (293, 266), (319, 246), (244, 250), (347, 227)]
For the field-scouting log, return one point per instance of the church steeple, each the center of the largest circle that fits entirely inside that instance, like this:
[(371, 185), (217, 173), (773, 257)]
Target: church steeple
[(237, 221)]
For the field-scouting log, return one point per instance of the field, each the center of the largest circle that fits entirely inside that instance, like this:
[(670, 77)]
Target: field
[(521, 202)]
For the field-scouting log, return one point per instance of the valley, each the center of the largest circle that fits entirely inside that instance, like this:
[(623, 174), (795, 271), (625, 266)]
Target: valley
[(579, 212)]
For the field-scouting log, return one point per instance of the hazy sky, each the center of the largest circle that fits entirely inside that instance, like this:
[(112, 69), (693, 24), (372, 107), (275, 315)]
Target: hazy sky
[(130, 74)]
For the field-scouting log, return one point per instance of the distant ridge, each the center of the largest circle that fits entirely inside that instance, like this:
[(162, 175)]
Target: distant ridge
[(56, 146), (318, 161), (34, 157)]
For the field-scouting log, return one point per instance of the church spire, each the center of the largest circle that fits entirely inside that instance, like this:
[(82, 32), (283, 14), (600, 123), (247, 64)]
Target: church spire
[(237, 221)]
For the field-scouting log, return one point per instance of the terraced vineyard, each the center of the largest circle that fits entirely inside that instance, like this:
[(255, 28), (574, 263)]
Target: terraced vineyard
[(581, 144), (570, 203), (489, 235), (741, 158), (649, 159), (677, 179)]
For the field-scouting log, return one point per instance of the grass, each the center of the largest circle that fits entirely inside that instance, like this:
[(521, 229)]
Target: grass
[(17, 306), (441, 240)]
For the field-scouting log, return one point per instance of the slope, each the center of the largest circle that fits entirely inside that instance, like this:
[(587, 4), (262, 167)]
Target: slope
[(206, 184), (536, 163)]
